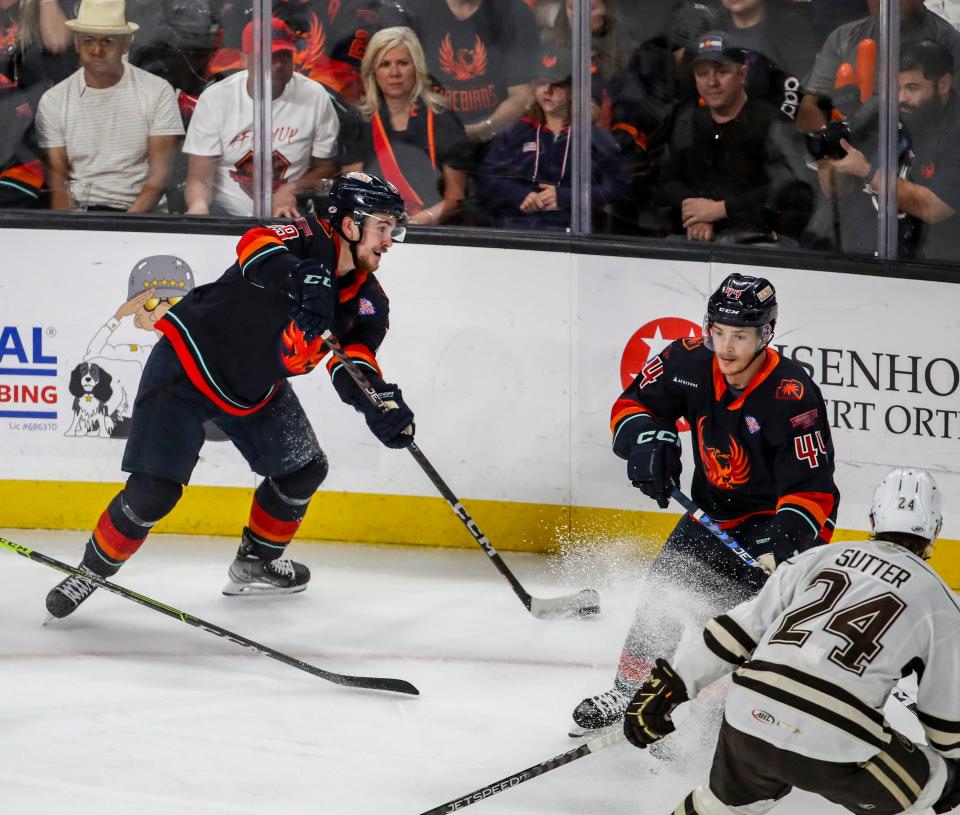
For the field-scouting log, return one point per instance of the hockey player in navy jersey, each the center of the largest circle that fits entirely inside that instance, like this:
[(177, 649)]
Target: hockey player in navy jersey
[(763, 467), (815, 655), (227, 351)]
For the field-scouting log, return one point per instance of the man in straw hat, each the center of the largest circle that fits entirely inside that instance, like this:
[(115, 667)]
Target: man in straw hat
[(109, 131)]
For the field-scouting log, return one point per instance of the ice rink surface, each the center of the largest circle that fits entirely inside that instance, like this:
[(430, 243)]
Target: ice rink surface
[(119, 709)]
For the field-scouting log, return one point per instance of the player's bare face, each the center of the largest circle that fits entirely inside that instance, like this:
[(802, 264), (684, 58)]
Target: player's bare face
[(396, 73), (376, 240), (735, 348)]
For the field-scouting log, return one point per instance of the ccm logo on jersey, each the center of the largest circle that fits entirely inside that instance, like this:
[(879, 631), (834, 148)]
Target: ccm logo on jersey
[(809, 447), (651, 372)]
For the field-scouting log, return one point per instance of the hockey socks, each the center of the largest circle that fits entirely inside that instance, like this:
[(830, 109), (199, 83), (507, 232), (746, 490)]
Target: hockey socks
[(279, 505), (116, 537)]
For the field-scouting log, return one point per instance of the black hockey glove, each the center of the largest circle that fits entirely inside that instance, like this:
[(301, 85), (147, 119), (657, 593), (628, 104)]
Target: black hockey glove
[(394, 427), (654, 465), (313, 288), (648, 716)]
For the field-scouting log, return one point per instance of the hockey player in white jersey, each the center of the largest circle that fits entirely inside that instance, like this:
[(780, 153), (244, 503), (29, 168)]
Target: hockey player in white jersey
[(814, 657)]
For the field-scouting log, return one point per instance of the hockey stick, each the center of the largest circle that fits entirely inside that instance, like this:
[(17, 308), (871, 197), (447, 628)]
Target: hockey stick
[(698, 514), (584, 749), (583, 603), (695, 512), (369, 682)]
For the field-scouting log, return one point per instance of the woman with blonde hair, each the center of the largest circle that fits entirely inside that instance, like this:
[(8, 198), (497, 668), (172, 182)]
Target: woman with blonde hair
[(45, 52), (410, 138)]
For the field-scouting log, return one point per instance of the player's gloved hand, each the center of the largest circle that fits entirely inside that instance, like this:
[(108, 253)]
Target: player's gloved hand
[(312, 287), (394, 427), (654, 464), (648, 716)]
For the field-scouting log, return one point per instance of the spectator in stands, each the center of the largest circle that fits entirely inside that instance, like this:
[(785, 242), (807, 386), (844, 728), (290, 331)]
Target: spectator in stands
[(110, 130), (928, 191), (410, 139), (220, 137), (180, 39), (21, 172), (178, 45), (482, 54), (778, 41), (44, 44), (330, 38), (721, 165), (826, 15), (843, 47), (525, 175), (610, 50)]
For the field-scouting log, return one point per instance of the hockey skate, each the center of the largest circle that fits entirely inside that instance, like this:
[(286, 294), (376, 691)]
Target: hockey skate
[(63, 599), (597, 713), (251, 575)]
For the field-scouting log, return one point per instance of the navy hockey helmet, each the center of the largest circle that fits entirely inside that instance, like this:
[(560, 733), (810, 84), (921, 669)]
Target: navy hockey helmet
[(745, 301), (357, 193)]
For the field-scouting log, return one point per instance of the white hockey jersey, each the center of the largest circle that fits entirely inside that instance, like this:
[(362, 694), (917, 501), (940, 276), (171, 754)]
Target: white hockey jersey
[(819, 649)]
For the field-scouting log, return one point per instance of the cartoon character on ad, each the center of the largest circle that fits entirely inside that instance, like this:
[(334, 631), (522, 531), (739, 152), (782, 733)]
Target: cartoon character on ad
[(104, 384)]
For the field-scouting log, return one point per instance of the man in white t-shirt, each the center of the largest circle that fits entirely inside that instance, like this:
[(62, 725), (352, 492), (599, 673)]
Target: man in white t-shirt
[(109, 131), (220, 137)]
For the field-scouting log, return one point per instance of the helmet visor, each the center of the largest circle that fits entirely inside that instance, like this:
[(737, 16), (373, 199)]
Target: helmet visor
[(395, 227)]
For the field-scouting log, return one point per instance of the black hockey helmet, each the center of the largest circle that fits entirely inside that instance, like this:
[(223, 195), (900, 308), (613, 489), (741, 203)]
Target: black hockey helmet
[(357, 193), (745, 301)]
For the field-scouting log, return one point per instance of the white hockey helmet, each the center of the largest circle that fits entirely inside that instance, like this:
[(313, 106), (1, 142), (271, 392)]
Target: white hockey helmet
[(907, 500)]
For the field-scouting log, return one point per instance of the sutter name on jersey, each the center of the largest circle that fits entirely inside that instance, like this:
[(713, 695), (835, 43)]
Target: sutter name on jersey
[(873, 565)]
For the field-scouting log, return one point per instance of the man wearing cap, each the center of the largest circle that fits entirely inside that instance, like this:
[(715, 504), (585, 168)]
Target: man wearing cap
[(721, 161), (525, 175), (220, 137), (109, 131)]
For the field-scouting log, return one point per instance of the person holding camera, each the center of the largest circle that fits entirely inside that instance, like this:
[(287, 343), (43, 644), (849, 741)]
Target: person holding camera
[(928, 187), (855, 45)]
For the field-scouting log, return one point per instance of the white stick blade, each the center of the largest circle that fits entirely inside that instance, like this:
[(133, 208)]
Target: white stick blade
[(584, 603)]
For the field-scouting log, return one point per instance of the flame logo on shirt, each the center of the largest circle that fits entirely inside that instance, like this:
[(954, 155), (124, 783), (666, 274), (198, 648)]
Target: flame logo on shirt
[(725, 470), (300, 356), (463, 63)]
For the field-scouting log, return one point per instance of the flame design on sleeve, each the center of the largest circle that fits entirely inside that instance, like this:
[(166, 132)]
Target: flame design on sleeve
[(300, 356)]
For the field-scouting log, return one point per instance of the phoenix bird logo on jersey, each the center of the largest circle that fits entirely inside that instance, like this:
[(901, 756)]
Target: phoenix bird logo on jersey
[(311, 47), (300, 356), (463, 63), (725, 470)]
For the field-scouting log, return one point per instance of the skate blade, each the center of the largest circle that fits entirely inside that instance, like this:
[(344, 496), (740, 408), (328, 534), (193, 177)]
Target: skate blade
[(258, 589), (577, 732)]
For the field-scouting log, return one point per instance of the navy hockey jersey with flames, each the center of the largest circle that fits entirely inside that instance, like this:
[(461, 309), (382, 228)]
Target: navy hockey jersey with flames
[(765, 450), (235, 337)]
